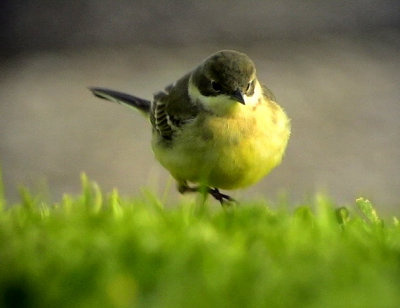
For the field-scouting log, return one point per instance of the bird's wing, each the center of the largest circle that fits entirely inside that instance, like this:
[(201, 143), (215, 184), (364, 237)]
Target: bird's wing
[(268, 93), (159, 117), (131, 101), (172, 108)]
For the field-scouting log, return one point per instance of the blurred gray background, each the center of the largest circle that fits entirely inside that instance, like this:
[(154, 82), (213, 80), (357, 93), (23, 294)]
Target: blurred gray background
[(333, 65)]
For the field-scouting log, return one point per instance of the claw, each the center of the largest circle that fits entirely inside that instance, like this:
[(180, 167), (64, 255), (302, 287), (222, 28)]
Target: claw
[(222, 198)]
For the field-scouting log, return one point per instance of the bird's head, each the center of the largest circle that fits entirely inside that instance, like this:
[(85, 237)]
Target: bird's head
[(223, 80)]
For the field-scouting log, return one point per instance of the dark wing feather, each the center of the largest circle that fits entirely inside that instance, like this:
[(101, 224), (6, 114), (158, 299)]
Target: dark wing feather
[(172, 108), (160, 118), (122, 98), (268, 93)]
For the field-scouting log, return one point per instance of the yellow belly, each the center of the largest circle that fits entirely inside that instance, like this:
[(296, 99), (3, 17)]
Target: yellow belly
[(228, 152)]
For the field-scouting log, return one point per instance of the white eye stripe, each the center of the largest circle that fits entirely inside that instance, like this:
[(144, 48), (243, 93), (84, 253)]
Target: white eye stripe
[(251, 85), (217, 103)]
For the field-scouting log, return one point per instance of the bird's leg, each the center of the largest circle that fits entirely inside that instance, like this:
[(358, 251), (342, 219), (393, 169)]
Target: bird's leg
[(183, 188), (220, 196)]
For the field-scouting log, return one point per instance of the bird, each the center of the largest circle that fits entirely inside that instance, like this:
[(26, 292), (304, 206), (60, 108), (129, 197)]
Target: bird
[(216, 128)]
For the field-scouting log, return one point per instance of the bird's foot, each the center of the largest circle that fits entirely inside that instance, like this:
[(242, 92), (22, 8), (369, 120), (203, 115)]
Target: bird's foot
[(222, 198)]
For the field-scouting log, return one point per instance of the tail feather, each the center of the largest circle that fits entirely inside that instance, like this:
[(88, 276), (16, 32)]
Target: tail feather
[(122, 98)]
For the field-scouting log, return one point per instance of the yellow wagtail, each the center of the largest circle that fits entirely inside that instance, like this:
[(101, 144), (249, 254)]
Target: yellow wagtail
[(217, 126)]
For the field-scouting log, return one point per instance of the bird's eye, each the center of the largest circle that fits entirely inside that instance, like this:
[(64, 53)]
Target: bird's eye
[(249, 86), (216, 86)]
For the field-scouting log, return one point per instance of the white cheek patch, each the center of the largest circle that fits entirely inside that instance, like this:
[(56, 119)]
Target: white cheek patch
[(193, 91), (254, 99)]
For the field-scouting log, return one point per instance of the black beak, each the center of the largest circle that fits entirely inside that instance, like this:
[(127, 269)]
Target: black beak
[(238, 96)]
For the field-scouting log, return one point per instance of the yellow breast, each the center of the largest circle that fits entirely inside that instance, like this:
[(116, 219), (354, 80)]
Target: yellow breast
[(231, 151)]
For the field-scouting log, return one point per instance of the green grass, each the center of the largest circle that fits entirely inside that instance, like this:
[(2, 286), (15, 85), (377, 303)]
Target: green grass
[(102, 250)]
